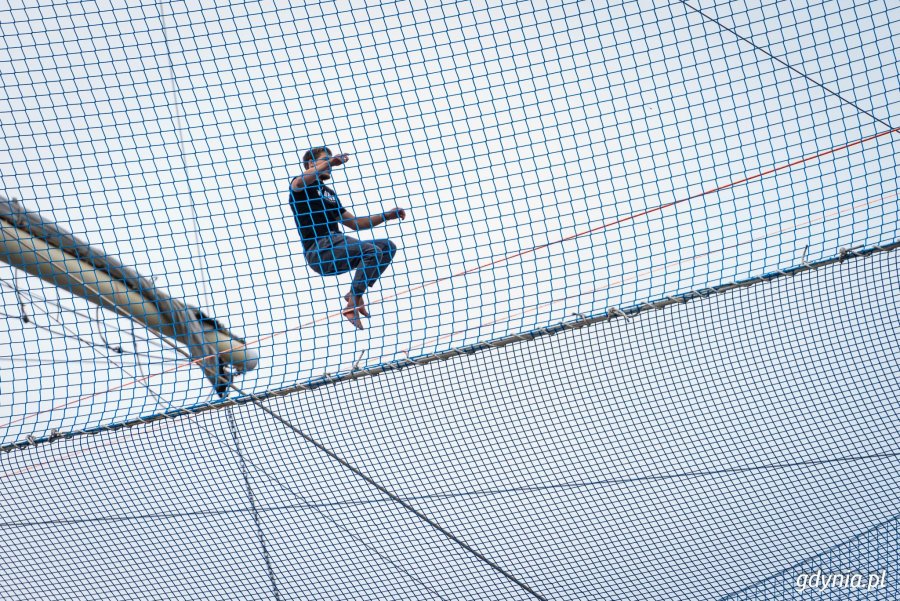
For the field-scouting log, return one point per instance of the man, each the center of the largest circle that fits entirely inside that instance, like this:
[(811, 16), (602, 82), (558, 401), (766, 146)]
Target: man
[(318, 214)]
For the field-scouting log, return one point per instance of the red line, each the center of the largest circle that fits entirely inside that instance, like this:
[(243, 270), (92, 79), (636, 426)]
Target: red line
[(492, 263), (634, 276), (84, 450), (796, 226), (674, 202)]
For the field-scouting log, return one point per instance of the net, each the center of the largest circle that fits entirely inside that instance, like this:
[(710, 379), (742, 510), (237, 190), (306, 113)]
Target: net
[(638, 340), (629, 459)]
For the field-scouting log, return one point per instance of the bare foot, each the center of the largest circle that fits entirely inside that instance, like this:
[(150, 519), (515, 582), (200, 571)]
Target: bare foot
[(359, 303), (352, 315), (354, 311)]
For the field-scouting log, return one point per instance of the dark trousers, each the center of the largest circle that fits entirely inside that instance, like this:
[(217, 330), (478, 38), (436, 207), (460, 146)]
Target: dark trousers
[(337, 254)]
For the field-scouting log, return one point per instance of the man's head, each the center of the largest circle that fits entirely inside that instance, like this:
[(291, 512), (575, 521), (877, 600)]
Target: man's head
[(314, 154)]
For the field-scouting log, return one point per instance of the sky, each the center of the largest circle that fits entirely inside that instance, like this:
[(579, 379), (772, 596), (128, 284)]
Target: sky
[(556, 158), (166, 133)]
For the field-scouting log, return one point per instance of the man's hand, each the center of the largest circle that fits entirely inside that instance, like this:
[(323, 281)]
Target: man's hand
[(320, 169), (395, 213), (340, 159), (325, 164)]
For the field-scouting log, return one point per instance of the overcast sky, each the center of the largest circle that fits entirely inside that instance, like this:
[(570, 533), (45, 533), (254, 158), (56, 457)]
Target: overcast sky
[(166, 133), (684, 453)]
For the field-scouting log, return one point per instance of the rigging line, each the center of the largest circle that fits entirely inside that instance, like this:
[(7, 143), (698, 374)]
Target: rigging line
[(649, 271), (133, 382), (786, 64), (409, 290), (33, 296), (179, 118), (160, 11), (394, 497), (140, 370), (730, 471), (63, 334), (109, 358), (88, 343), (101, 331), (119, 363), (308, 505), (23, 315), (66, 333), (37, 298), (260, 533), (26, 361)]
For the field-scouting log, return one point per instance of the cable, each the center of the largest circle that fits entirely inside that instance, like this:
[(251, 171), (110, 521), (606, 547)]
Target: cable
[(260, 533), (396, 498), (786, 64), (482, 493), (37, 298), (409, 290)]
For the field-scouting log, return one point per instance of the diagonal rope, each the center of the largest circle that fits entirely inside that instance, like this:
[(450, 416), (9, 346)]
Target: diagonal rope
[(644, 272), (321, 509), (786, 64), (97, 347), (245, 461), (254, 511), (396, 498), (487, 264)]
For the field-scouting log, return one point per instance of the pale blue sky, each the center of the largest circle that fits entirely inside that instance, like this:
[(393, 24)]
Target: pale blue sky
[(166, 133), (684, 453)]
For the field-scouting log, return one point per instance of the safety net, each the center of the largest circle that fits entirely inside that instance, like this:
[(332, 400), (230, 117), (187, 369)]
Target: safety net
[(634, 337)]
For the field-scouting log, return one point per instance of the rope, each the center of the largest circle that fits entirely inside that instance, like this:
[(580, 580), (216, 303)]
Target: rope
[(492, 263), (645, 272), (396, 498), (786, 64), (260, 533)]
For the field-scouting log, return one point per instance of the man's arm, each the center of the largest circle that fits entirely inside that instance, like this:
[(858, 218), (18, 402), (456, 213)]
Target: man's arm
[(322, 165), (348, 219)]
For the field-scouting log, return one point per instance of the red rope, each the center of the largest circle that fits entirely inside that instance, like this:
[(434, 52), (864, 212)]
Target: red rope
[(485, 265)]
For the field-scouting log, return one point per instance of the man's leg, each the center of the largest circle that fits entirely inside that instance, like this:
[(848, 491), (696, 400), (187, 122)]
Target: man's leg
[(335, 255), (341, 254), (374, 259), (388, 250)]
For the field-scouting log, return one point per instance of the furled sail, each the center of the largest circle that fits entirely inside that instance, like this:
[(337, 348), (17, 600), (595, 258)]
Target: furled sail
[(34, 243)]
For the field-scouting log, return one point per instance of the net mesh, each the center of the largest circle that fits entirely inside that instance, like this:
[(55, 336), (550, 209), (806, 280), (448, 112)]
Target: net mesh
[(630, 459), (873, 553), (639, 340)]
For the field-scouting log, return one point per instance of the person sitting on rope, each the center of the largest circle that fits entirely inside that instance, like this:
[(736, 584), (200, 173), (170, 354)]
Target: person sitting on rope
[(318, 213)]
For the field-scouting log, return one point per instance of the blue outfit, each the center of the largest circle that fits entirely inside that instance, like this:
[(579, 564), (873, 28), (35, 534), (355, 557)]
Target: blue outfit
[(318, 214)]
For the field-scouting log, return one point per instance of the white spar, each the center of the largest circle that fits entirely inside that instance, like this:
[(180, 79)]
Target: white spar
[(31, 242)]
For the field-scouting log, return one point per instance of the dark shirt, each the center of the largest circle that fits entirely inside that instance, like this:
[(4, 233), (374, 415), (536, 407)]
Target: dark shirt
[(317, 212)]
